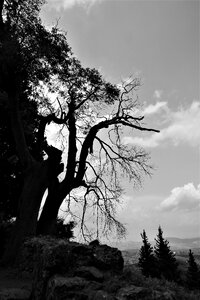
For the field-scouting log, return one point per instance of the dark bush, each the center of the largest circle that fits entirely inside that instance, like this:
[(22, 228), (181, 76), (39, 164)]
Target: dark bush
[(65, 231), (6, 228)]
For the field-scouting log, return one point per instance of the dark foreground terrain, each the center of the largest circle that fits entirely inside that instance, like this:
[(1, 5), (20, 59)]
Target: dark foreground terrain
[(92, 279)]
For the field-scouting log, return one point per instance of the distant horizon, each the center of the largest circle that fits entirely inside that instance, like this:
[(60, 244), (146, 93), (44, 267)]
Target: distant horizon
[(168, 237), (174, 243), (165, 237)]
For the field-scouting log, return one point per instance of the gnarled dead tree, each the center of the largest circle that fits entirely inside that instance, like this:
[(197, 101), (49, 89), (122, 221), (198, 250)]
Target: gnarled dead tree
[(37, 66), (97, 156)]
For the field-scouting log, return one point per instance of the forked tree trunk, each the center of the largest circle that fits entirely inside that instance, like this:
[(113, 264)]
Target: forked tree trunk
[(35, 184), (58, 191), (47, 221)]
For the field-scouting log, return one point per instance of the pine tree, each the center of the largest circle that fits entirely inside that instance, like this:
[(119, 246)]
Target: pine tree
[(147, 261), (167, 264), (193, 274)]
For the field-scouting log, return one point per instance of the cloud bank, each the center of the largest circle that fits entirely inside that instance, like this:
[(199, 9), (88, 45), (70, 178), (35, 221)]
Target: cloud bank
[(155, 108), (185, 198), (182, 126), (66, 4), (178, 214)]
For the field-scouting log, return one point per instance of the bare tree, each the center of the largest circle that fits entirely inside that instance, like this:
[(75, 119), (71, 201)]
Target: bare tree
[(97, 156), (37, 66)]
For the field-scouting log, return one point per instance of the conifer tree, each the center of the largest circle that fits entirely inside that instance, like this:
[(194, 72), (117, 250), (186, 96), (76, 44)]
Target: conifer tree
[(147, 261), (167, 264), (193, 274)]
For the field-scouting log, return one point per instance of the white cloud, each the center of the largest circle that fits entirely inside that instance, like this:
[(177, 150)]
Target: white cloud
[(155, 108), (183, 127), (185, 198), (178, 214), (157, 94), (66, 4)]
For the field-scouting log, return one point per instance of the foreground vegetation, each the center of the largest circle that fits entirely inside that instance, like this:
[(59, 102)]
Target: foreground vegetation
[(134, 275), (128, 281)]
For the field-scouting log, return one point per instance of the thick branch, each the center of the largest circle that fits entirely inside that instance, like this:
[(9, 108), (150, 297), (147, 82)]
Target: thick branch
[(52, 118), (88, 143), (128, 124), (43, 122), (72, 150)]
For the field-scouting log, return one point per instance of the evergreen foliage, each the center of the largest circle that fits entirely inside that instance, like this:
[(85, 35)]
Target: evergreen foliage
[(147, 261), (167, 264), (193, 274)]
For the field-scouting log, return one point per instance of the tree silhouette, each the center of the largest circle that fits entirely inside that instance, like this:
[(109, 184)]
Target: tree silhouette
[(167, 264), (11, 172), (64, 230), (147, 261), (193, 274), (37, 65)]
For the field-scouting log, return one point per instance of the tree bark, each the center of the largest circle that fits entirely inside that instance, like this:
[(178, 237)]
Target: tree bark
[(48, 217), (35, 184), (36, 180), (57, 192)]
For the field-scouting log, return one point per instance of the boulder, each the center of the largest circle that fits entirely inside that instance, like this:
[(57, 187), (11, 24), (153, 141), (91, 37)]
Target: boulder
[(14, 293), (76, 288), (132, 292), (61, 288), (108, 258), (102, 295), (53, 256), (90, 273), (167, 295)]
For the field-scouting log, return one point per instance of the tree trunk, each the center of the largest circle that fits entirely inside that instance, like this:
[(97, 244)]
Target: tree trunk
[(48, 217), (35, 184), (57, 192)]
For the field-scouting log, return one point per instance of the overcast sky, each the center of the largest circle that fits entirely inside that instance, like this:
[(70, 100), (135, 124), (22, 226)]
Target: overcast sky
[(158, 41)]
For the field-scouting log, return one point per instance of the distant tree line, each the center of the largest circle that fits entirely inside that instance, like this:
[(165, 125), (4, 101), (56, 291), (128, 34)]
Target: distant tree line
[(160, 261)]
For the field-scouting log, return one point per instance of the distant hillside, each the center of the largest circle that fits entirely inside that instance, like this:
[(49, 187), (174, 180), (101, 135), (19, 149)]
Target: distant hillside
[(129, 245), (190, 243), (175, 243)]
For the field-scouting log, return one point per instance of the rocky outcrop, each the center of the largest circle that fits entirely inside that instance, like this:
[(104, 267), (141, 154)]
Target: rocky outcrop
[(59, 287), (14, 294), (65, 270), (75, 270), (108, 258), (133, 292)]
